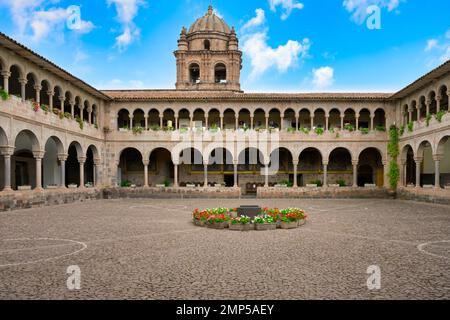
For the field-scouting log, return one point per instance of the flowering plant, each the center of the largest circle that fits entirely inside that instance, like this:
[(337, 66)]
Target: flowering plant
[(36, 106), (241, 220), (292, 215), (201, 215), (218, 218), (274, 213), (264, 219)]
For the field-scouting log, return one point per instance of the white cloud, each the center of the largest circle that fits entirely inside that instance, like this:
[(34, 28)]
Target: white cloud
[(43, 23), (256, 21), (287, 5), (358, 8), (323, 77), (126, 10), (439, 49), (262, 56), (431, 44)]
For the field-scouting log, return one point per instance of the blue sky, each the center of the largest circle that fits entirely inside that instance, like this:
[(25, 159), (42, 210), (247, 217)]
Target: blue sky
[(289, 46)]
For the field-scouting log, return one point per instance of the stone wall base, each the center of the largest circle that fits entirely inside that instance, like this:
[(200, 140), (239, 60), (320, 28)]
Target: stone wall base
[(32, 199), (439, 196), (324, 193), (172, 193)]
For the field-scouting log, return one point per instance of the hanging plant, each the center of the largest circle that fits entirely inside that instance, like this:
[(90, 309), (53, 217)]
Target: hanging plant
[(4, 95), (428, 119), (393, 151)]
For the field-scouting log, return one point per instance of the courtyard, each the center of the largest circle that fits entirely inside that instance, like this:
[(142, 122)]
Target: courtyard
[(149, 249)]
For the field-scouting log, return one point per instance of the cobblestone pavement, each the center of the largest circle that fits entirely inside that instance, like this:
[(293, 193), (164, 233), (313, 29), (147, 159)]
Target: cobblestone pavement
[(149, 249)]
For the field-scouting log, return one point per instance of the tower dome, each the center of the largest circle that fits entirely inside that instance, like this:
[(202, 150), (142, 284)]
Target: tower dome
[(210, 22)]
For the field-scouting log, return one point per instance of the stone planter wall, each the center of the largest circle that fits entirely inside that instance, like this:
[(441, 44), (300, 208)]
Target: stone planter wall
[(322, 193), (172, 193), (439, 196)]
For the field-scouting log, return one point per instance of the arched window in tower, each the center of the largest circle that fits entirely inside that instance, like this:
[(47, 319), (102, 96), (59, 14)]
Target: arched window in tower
[(207, 45), (220, 72), (194, 73)]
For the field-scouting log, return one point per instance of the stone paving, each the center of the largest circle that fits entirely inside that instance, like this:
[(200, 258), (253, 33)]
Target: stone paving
[(149, 249)]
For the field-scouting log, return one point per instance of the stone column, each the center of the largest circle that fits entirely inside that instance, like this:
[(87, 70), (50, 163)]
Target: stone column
[(61, 100), (327, 122), (386, 182), (342, 122), (82, 161), (175, 175), (252, 122), (131, 121), (6, 74), (72, 108), (38, 89), (146, 122), (221, 122), (267, 123), (438, 103), (191, 122), (90, 115), (437, 171), (62, 160), (23, 83), (50, 100), (236, 124), (296, 122), (418, 161), (266, 175), (402, 177), (161, 122), (38, 155), (146, 163), (312, 122), (281, 123), (176, 123), (295, 162), (235, 174), (206, 122), (355, 173), (7, 152), (205, 172), (97, 178), (419, 106), (372, 118), (357, 123), (428, 105), (325, 174)]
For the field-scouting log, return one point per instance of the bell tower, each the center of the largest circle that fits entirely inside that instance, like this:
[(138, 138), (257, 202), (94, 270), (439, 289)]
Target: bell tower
[(208, 56)]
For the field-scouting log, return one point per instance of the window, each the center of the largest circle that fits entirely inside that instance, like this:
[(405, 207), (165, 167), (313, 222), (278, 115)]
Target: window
[(194, 73), (220, 72), (207, 45)]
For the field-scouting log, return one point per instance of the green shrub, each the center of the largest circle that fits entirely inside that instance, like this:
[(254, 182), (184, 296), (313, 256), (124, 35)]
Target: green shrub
[(319, 131), (411, 126), (317, 182), (440, 115), (68, 115), (380, 128), (393, 151), (138, 130), (341, 183), (349, 127), (364, 130), (428, 119), (4, 95), (291, 130), (304, 130), (126, 184)]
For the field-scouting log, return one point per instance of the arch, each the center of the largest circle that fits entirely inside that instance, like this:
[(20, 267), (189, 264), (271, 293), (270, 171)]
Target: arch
[(194, 73), (427, 169), (370, 167), (214, 118), (86, 110), (139, 118), (3, 138), (349, 119), (23, 163), (415, 111), (259, 121), (421, 147), (191, 166), (289, 118), (443, 93), (199, 118), (319, 118), (67, 102), (123, 119), (334, 121), (244, 120), (443, 152), (274, 118), (77, 107), (30, 91), (15, 87), (130, 168), (380, 119), (92, 155), (220, 73), (340, 167), (422, 108), (250, 167), (409, 169), (169, 119), (305, 119), (58, 94), (43, 95), (229, 119), (310, 166), (220, 167), (161, 167), (282, 165), (433, 102), (364, 118), (51, 166)]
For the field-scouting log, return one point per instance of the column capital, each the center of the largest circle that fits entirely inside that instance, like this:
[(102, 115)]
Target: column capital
[(6, 73), (295, 162), (38, 155), (176, 163), (63, 157), (145, 162), (50, 93), (7, 151), (37, 87), (438, 157), (131, 116), (23, 81), (325, 162), (418, 160), (355, 162), (402, 161), (72, 103), (62, 98), (97, 161), (82, 160)]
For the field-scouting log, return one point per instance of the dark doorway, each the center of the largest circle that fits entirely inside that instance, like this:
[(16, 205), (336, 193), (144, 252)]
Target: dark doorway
[(229, 180)]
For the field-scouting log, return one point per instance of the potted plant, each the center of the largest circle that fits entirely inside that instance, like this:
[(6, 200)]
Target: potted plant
[(265, 223), (200, 217), (319, 131), (292, 215), (242, 223), (289, 222), (4, 95)]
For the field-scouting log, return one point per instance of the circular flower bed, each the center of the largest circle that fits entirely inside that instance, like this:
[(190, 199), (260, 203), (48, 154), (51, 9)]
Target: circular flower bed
[(270, 219)]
